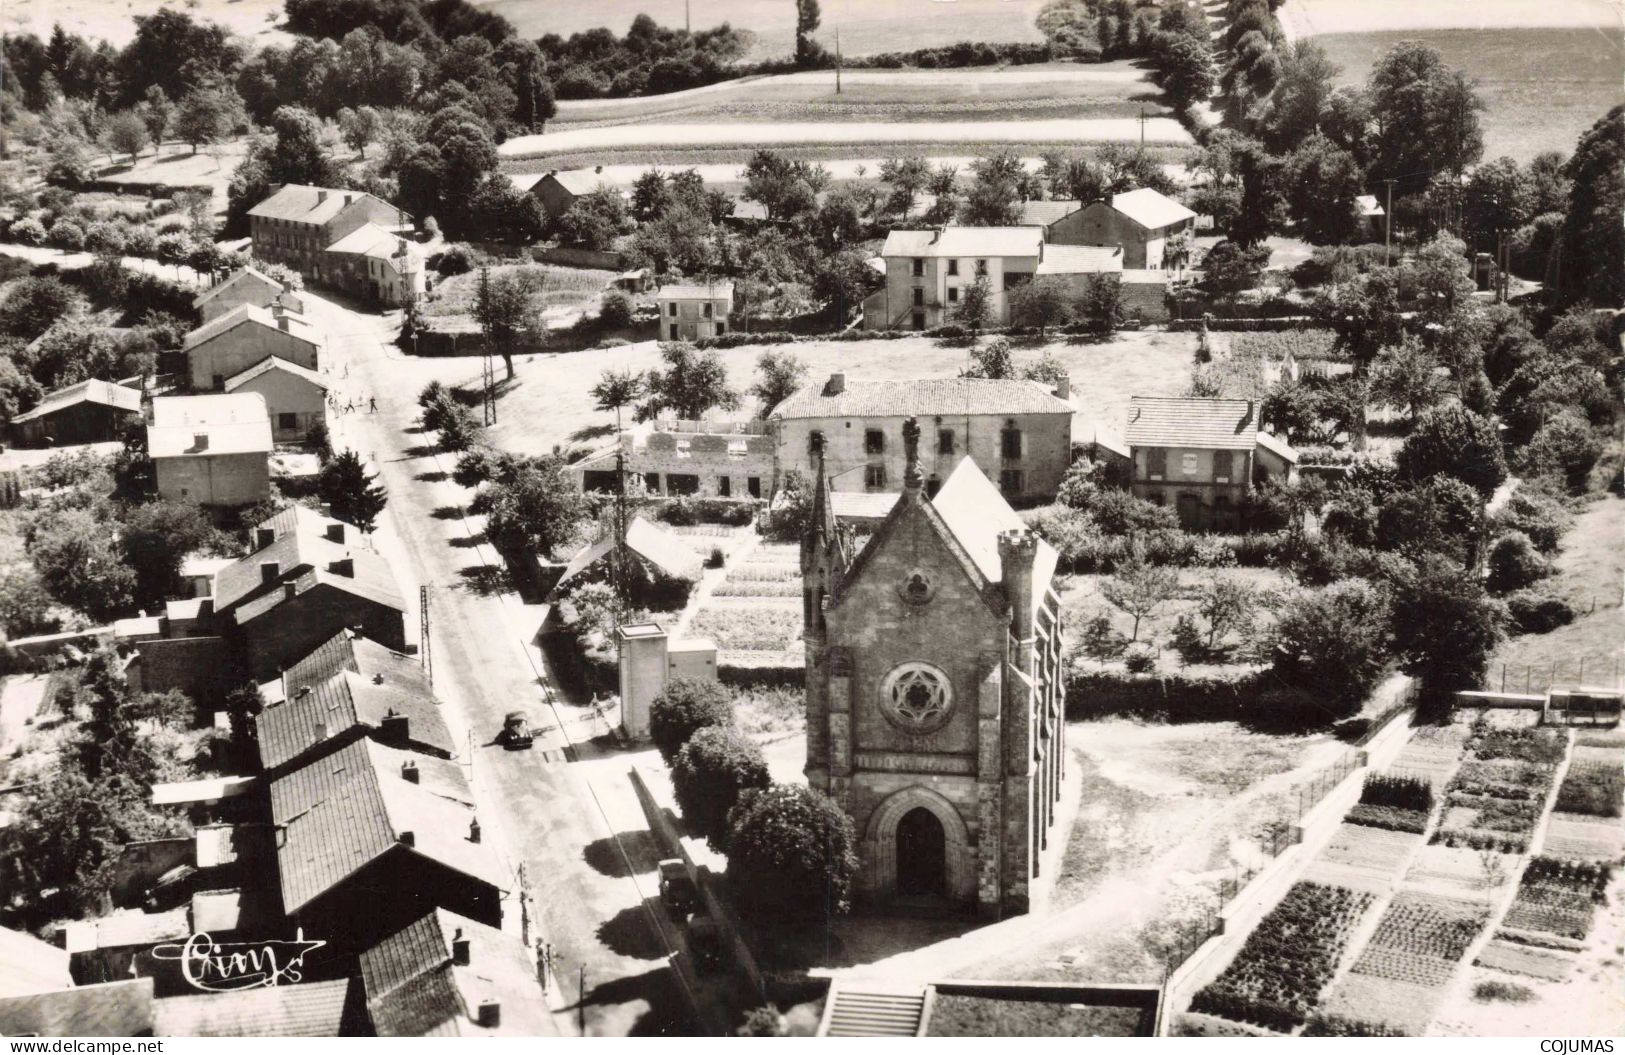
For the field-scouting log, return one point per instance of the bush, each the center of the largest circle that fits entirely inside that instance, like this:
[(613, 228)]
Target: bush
[(1333, 642), (1538, 516), (1514, 564), (453, 260), (1170, 697), (685, 706), (1140, 658), (1187, 639), (715, 558), (27, 231), (709, 773), (1538, 611), (1390, 818), (688, 510), (791, 856), (1405, 793), (615, 310)]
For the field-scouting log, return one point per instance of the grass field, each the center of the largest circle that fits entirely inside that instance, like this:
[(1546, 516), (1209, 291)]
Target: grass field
[(1536, 100), (112, 20)]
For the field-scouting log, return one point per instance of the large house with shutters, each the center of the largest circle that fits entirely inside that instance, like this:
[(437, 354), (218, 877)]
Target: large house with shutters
[(1203, 457), (297, 224)]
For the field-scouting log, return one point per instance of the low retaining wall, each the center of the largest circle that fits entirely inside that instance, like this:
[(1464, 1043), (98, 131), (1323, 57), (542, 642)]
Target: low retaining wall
[(576, 256)]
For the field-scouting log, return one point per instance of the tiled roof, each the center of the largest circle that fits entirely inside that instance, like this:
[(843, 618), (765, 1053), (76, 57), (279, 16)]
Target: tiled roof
[(965, 242), (232, 424), (104, 393), (1280, 448), (1206, 424), (241, 275), (925, 397), (976, 513), (1080, 259), (378, 243), (311, 1009), (696, 291), (112, 1009), (345, 651), (655, 545), (346, 809), (306, 204), (577, 181), (28, 965), (253, 315), (305, 557), (1151, 209), (414, 989), (270, 363), (342, 705), (525, 180), (1044, 213)]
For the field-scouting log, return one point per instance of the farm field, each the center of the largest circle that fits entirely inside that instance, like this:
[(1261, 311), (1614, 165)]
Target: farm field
[(112, 20), (1533, 103)]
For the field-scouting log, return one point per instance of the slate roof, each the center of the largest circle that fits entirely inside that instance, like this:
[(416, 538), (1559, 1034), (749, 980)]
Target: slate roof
[(1151, 209), (525, 180), (270, 363), (924, 397), (305, 204), (413, 988), (242, 274), (696, 291), (1080, 259), (344, 810), (28, 965), (976, 513), (345, 704), (254, 315), (307, 558), (1044, 213), (234, 424), (965, 242), (311, 1009), (103, 393), (112, 1009), (1203, 424), (345, 651), (862, 505)]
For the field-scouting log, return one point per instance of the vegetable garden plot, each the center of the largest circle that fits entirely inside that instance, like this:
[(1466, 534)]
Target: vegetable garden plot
[(1557, 897), (1521, 959), (748, 628), (1362, 858), (773, 553), (1427, 926), (1401, 1006), (1277, 977), (731, 588), (1459, 872), (1389, 817), (1577, 836), (1591, 787)]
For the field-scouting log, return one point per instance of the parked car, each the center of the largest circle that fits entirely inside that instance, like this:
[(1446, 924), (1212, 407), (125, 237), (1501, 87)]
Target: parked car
[(677, 888), (516, 732), (705, 942)]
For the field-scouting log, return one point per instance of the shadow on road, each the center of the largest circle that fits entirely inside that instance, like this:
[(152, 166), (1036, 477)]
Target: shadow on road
[(421, 450), (484, 580), (433, 477), (468, 541), (606, 858), (629, 933), (665, 1014)]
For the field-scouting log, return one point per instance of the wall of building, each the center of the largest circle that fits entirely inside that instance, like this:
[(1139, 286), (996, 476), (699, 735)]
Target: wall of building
[(80, 423), (1147, 301), (287, 393), (940, 289), (239, 348), (215, 480), (390, 892), (204, 668), (1046, 450), (556, 201), (1069, 230), (686, 320), (699, 460)]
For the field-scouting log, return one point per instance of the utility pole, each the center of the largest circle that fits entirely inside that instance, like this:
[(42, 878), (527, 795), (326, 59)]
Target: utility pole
[(837, 60), (488, 405), (688, 26), (423, 634), (1388, 227), (1142, 129)]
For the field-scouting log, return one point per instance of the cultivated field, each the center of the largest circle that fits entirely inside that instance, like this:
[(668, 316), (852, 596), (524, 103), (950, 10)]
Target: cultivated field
[(112, 20)]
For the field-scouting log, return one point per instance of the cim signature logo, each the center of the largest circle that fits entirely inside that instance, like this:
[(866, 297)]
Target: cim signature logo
[(218, 968)]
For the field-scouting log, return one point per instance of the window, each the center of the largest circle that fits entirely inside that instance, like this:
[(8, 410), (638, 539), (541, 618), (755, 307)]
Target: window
[(874, 477), (673, 311), (953, 267), (874, 441), (219, 381), (651, 483), (917, 696), (1012, 279), (1156, 463), (725, 486), (981, 267), (722, 329), (1010, 442), (953, 294), (1222, 467), (682, 484), (919, 297), (1187, 463), (287, 422), (919, 267), (815, 441), (945, 441), (710, 309), (753, 486), (1010, 481)]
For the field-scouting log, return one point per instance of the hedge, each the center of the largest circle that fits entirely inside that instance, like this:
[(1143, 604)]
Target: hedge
[(687, 510), (1174, 697), (763, 677)]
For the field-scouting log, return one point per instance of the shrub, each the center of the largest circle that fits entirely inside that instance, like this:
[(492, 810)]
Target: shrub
[(67, 236), (715, 558), (453, 260), (1187, 639), (791, 855), (1514, 564), (1538, 516), (1509, 992), (27, 231), (1140, 658), (685, 706), (1388, 817), (1405, 793), (709, 773), (1538, 611), (615, 309)]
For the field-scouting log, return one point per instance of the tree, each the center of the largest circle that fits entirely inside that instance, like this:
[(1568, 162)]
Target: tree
[(206, 116), (999, 184), (1138, 589), (1229, 268), (691, 383), (126, 133), (155, 538), (711, 771), (1593, 243), (1406, 377), (1302, 96), (1226, 604), (360, 127), (684, 707), (975, 304), (1426, 116), (992, 361), (79, 562), (27, 231), (1322, 181), (595, 220), (1564, 448), (1444, 626), (1441, 515), (33, 304), (1047, 370), (1514, 564), (792, 855), (67, 236), (780, 375), (507, 310), (1500, 198), (808, 51), (530, 504), (1453, 441), (1101, 303), (351, 493), (156, 114), (1332, 642), (907, 177), (1043, 302), (786, 187), (615, 309), (1185, 71), (617, 389)]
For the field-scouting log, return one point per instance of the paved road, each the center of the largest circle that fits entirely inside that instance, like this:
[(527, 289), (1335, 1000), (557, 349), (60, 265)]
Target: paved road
[(590, 886)]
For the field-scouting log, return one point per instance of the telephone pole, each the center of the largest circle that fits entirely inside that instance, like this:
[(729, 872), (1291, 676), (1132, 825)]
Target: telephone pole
[(1142, 129), (688, 27), (837, 60), (1388, 227), (423, 634), (487, 369)]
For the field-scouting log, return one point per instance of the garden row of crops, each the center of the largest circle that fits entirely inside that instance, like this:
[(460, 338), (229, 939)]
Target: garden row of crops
[(747, 628), (1397, 802), (1585, 822), (1496, 799), (1556, 903)]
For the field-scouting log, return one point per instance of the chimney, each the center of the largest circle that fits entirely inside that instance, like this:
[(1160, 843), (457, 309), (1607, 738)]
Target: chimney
[(304, 690), (489, 1014), (270, 571), (1247, 421), (344, 567), (348, 198), (836, 385), (200, 441), (913, 478), (394, 728), (474, 830), (264, 537), (407, 839), (335, 532), (409, 771), (377, 679), (290, 590), (459, 948), (1063, 388), (282, 323), (321, 196)]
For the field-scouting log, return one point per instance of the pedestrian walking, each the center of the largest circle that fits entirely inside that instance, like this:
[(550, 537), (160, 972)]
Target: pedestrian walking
[(372, 404)]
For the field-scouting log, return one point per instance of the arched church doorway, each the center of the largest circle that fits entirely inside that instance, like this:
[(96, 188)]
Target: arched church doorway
[(922, 860)]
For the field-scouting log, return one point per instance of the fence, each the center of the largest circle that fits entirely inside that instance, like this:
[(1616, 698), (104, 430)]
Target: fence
[(1594, 671)]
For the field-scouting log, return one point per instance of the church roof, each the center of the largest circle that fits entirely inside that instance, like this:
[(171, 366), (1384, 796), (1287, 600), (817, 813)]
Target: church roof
[(977, 513)]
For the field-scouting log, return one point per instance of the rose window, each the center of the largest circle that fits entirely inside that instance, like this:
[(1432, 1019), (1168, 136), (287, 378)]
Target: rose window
[(917, 696)]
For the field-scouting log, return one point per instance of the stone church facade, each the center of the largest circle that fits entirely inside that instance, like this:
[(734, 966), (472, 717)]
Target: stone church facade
[(934, 692)]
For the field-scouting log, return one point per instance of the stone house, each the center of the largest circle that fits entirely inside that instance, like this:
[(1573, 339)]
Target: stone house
[(728, 459), (1139, 221), (690, 311), (297, 223), (934, 693), (295, 398), (243, 337), (246, 285), (211, 450), (927, 272), (558, 190), (1062, 221), (89, 412), (1204, 457), (1017, 432), (377, 265)]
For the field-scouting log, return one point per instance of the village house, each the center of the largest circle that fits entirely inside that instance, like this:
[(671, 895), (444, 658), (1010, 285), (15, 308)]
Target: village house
[(558, 190), (246, 285), (211, 450), (89, 412), (1017, 432), (690, 311), (237, 340), (329, 1008), (1062, 221), (1204, 457), (378, 265), (935, 694), (1140, 222), (321, 716), (111, 1009), (927, 272), (296, 224), (728, 459), (295, 398)]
